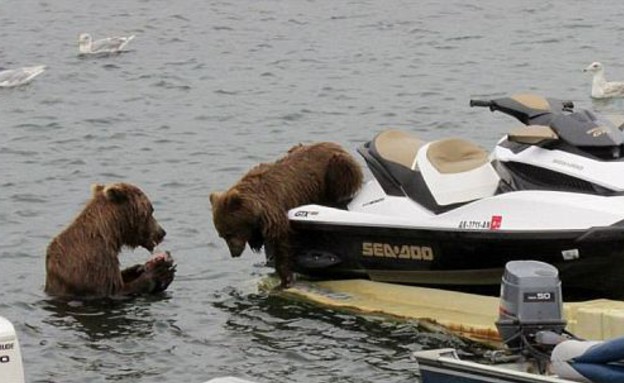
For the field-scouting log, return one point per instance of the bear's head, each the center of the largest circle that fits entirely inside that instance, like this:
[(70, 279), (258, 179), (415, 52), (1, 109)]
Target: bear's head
[(237, 220), (125, 212)]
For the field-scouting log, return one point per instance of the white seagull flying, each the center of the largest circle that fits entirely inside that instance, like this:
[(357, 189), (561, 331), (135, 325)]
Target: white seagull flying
[(109, 45), (15, 77), (601, 88)]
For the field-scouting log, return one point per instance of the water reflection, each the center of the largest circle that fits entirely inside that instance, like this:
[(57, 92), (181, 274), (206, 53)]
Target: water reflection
[(318, 341), (105, 318), (605, 106)]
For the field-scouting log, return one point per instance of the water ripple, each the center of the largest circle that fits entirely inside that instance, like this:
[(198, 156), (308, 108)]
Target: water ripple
[(208, 90)]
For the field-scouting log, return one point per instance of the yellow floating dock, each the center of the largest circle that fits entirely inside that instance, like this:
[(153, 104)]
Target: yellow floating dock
[(468, 315)]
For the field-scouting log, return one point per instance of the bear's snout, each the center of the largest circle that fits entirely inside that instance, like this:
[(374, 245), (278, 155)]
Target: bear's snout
[(160, 234), (236, 247), (156, 236)]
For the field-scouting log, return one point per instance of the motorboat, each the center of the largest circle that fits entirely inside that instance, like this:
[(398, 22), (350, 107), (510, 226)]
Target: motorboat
[(538, 349), (450, 214), (11, 368)]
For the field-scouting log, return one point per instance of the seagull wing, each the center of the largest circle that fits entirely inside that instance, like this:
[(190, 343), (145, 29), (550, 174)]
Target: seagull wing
[(15, 77), (613, 89), (110, 44)]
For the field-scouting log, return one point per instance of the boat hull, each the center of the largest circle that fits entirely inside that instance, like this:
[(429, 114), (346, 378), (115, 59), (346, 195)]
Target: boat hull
[(590, 263), (443, 366)]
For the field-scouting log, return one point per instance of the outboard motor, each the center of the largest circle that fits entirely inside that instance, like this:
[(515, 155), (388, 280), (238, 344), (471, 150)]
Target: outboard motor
[(530, 318), (11, 369), (532, 327)]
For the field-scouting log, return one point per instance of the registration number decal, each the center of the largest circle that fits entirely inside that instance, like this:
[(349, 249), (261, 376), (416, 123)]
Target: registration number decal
[(494, 223)]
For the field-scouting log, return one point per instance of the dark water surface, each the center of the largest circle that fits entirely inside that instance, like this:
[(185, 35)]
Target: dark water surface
[(210, 88)]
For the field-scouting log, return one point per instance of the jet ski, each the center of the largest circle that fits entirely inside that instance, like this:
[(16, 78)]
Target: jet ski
[(450, 214)]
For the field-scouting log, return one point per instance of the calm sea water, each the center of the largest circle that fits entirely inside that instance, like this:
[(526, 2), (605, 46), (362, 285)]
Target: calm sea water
[(209, 89)]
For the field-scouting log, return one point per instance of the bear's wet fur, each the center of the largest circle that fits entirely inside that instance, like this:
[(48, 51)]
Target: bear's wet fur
[(82, 261), (255, 210)]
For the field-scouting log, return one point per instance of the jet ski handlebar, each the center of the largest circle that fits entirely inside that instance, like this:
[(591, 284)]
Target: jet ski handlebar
[(481, 103), (579, 128), (530, 109), (566, 104)]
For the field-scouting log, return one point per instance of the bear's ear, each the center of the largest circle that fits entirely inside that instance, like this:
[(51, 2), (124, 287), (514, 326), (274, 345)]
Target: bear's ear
[(232, 199), (96, 189), (115, 193), (214, 197)]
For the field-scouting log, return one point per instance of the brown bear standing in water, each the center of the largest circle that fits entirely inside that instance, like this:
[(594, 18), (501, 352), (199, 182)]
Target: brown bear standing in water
[(82, 261), (255, 210)]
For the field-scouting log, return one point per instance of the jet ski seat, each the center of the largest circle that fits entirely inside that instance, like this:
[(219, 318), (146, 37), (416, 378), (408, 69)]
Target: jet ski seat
[(398, 147), (532, 134), (457, 171), (455, 155), (393, 157)]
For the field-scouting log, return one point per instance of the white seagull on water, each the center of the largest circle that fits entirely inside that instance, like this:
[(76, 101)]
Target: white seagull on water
[(601, 88), (109, 45), (15, 77)]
